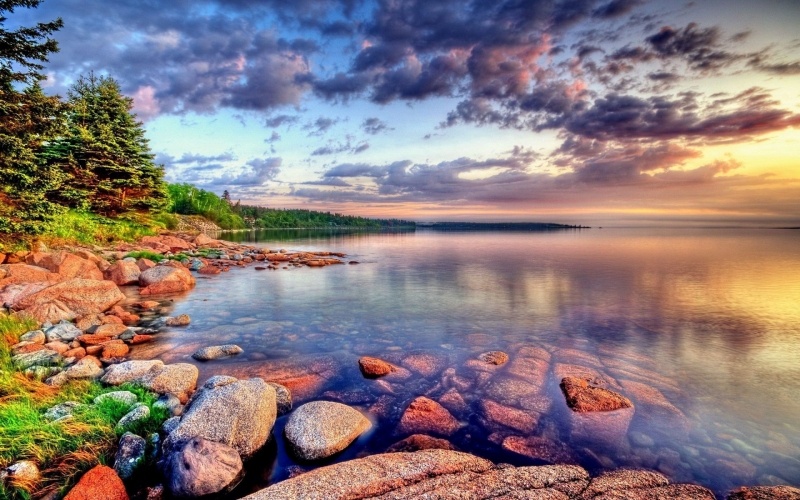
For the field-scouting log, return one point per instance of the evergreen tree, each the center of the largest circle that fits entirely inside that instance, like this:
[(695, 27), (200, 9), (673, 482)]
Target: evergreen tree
[(105, 153), (28, 121)]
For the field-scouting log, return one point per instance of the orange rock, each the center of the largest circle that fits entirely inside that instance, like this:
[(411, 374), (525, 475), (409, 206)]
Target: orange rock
[(424, 416), (89, 340), (374, 367), (24, 273), (146, 305), (110, 329), (77, 353), (114, 350), (169, 278), (513, 418), (110, 319), (140, 339), (100, 482), (583, 397), (82, 296), (209, 270)]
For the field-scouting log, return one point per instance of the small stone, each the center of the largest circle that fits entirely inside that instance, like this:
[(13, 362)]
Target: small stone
[(88, 367), (125, 397), (216, 352), (182, 320), (416, 442), (169, 402), (138, 413), (374, 367), (283, 398), (130, 455), (494, 357), (64, 331), (35, 336), (62, 411), (23, 472)]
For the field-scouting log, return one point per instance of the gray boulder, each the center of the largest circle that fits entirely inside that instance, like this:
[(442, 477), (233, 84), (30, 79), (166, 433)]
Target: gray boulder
[(64, 331), (139, 412), (62, 411), (322, 428), (129, 371), (199, 467), (216, 352), (44, 357), (130, 455), (239, 413), (126, 397), (88, 367), (179, 379)]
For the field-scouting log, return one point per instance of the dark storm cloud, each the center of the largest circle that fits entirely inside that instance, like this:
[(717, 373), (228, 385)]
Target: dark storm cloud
[(615, 8)]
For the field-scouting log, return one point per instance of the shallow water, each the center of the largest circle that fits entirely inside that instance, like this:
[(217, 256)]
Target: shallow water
[(699, 327)]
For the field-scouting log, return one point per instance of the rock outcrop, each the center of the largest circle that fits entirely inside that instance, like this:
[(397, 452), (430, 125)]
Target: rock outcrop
[(166, 279)]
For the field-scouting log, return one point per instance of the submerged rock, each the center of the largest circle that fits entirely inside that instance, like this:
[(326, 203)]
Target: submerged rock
[(494, 357), (417, 442), (374, 367), (323, 428), (216, 352), (424, 416), (765, 493)]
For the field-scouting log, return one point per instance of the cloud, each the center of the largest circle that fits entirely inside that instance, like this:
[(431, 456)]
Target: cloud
[(374, 126), (257, 172), (319, 126), (279, 120)]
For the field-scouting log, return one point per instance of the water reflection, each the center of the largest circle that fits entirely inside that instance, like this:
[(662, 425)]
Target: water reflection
[(700, 328)]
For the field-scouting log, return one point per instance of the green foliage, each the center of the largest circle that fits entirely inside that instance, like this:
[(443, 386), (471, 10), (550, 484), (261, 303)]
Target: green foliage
[(89, 228), (186, 199), (28, 120), (105, 153), (273, 218), (145, 254)]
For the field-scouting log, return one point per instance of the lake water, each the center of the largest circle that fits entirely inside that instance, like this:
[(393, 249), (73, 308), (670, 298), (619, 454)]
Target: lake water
[(700, 328)]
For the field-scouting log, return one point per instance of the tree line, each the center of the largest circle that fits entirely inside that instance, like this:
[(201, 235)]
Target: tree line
[(88, 152)]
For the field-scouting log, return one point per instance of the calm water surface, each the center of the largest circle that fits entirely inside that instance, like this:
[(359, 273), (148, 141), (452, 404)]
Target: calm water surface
[(700, 328)]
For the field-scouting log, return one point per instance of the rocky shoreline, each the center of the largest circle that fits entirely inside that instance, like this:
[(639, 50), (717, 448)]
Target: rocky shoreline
[(74, 294)]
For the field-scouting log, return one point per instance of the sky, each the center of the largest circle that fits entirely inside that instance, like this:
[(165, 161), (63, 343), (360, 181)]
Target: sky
[(574, 111)]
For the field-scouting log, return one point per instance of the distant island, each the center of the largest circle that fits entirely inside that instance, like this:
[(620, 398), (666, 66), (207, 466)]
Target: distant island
[(494, 226)]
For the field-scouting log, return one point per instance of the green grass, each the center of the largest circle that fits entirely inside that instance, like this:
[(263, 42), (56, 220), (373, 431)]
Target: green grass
[(88, 228), (145, 254), (63, 451)]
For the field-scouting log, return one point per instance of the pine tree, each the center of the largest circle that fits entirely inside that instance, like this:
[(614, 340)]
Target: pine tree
[(28, 121), (105, 153)]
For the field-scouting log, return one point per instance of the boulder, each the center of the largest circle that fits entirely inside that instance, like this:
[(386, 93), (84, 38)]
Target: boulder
[(81, 296), (11, 294), (130, 371), (166, 279), (100, 482), (425, 416), (50, 312), (283, 398), (64, 332), (199, 467), (137, 414), (216, 352), (41, 357), (374, 475), (62, 411), (124, 397), (68, 265), (239, 413), (179, 379), (88, 367), (495, 414), (374, 367), (11, 274), (765, 493), (123, 272), (130, 455), (174, 244), (323, 428), (203, 240)]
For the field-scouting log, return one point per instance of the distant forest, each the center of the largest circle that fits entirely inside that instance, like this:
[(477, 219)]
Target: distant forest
[(494, 226)]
